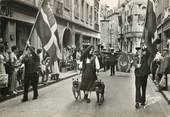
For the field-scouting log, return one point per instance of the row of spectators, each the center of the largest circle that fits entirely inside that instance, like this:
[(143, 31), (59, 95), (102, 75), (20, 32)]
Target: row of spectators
[(160, 69), (11, 67)]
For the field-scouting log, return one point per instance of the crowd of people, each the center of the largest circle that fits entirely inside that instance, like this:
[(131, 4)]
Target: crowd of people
[(160, 69), (23, 68), (16, 67)]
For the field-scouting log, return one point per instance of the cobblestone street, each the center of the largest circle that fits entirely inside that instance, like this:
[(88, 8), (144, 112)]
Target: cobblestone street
[(57, 101)]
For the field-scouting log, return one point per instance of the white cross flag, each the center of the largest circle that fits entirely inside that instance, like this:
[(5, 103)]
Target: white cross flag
[(46, 27)]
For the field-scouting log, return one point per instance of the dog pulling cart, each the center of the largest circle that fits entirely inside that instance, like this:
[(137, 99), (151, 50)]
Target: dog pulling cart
[(99, 88)]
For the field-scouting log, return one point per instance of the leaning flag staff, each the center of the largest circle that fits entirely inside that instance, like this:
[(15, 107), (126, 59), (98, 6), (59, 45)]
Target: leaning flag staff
[(33, 27), (47, 30)]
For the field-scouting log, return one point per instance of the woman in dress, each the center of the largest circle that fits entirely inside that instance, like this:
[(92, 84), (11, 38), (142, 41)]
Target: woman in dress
[(2, 60), (2, 70), (90, 65), (13, 60)]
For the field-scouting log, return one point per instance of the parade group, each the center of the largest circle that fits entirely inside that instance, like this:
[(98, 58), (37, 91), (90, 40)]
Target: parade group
[(24, 68), (20, 69)]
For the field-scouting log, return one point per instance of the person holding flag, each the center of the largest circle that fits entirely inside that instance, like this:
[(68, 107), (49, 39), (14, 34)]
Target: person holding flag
[(46, 27), (142, 70), (32, 63), (147, 54)]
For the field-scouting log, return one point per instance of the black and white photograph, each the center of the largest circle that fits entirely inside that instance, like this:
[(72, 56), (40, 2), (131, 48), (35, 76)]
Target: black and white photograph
[(84, 58)]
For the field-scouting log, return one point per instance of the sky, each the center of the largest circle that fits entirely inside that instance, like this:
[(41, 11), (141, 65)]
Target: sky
[(111, 3)]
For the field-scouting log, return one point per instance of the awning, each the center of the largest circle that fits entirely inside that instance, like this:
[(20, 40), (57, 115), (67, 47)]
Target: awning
[(17, 19)]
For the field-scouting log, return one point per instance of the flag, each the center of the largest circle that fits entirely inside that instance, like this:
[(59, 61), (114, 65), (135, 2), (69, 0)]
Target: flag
[(150, 28), (46, 27)]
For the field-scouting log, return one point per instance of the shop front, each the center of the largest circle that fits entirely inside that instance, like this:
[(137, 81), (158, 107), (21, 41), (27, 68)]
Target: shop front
[(16, 22)]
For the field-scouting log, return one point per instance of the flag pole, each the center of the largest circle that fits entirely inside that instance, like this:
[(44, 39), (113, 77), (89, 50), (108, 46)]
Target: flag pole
[(33, 27)]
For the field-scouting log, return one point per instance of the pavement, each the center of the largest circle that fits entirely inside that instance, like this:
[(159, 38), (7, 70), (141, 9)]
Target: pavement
[(57, 101), (63, 76), (166, 94)]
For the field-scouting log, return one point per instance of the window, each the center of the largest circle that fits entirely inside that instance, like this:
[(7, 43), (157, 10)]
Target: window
[(76, 7), (87, 13), (82, 9), (59, 8), (96, 10), (67, 4), (91, 14)]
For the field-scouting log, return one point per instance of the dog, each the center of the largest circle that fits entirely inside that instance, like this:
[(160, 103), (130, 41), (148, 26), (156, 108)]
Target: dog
[(100, 90), (76, 89)]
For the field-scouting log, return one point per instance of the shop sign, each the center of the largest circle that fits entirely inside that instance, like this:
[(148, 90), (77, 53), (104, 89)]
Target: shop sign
[(5, 11)]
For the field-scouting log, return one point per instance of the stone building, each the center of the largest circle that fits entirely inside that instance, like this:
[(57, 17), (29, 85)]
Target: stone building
[(105, 41), (131, 23), (16, 20), (109, 27), (163, 22), (113, 29), (78, 22)]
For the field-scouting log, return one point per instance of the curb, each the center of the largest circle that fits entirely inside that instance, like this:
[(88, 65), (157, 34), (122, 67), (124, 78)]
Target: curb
[(39, 87), (166, 97), (163, 93)]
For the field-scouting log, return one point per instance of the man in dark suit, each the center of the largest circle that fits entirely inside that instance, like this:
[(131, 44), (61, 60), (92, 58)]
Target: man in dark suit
[(142, 70), (112, 63), (32, 65)]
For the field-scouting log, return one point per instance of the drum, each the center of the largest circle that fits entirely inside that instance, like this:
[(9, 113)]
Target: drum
[(124, 62)]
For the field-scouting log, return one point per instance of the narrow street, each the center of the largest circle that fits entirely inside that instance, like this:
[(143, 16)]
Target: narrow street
[(57, 101)]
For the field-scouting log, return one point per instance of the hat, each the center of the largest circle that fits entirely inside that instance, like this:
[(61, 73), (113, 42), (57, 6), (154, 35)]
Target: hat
[(138, 48), (165, 49), (86, 51)]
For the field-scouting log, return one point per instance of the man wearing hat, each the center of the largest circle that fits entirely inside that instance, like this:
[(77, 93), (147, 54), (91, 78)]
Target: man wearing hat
[(32, 64), (142, 70), (112, 62)]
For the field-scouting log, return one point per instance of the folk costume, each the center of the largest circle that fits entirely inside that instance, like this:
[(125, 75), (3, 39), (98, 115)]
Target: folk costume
[(90, 64)]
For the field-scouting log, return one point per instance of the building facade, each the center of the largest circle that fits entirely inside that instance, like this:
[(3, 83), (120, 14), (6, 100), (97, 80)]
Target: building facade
[(113, 29), (109, 27), (131, 23), (78, 22), (16, 20), (163, 22)]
